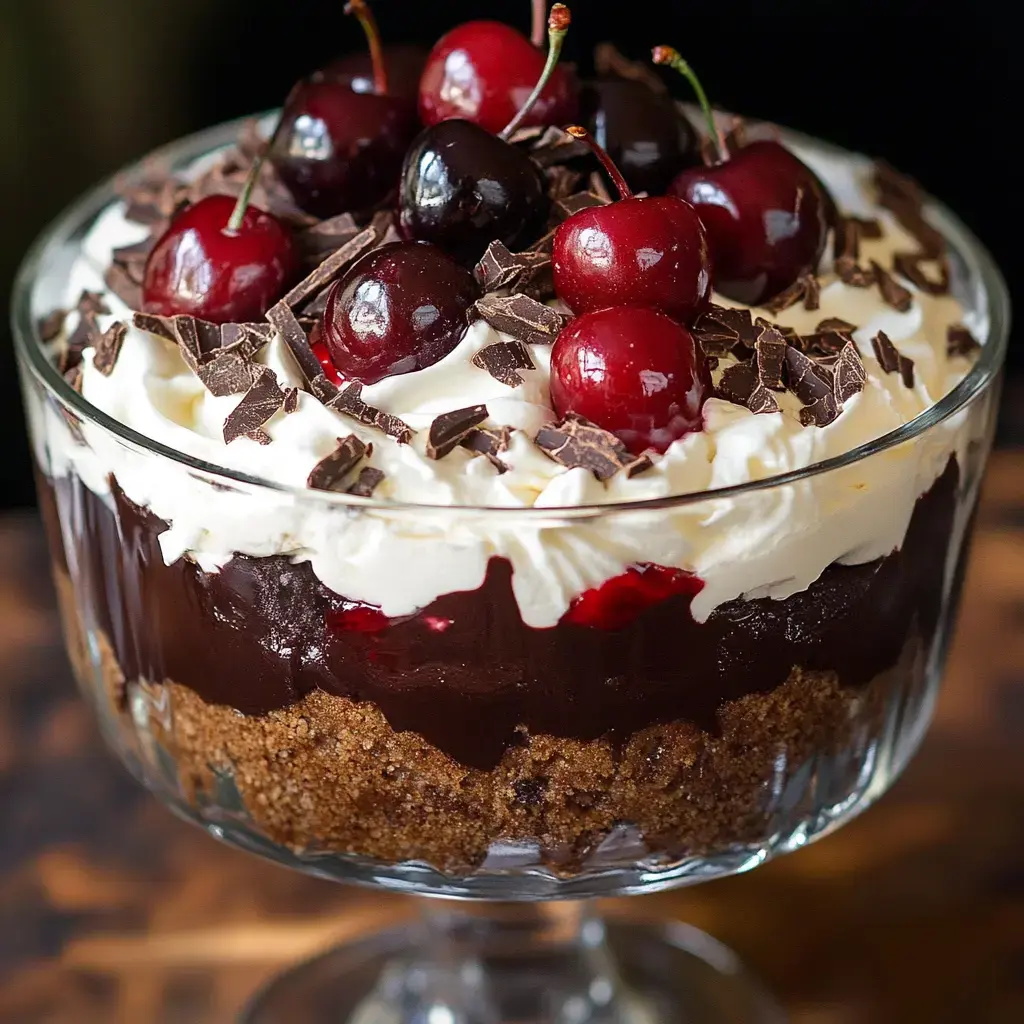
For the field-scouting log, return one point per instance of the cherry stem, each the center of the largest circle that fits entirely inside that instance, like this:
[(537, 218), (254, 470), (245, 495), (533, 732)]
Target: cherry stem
[(537, 30), (380, 72), (666, 55), (578, 132), (242, 204), (558, 28)]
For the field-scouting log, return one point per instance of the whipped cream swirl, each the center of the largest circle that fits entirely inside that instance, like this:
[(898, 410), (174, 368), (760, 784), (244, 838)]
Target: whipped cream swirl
[(772, 542)]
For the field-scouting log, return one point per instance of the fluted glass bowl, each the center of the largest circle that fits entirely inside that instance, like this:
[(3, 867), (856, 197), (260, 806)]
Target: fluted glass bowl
[(459, 752)]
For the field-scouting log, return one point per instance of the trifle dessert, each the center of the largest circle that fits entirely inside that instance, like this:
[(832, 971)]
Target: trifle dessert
[(445, 479)]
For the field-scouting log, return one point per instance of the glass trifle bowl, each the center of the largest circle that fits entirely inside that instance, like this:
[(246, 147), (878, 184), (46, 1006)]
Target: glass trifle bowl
[(609, 690)]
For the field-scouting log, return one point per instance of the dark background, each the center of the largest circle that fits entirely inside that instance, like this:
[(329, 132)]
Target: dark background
[(84, 88)]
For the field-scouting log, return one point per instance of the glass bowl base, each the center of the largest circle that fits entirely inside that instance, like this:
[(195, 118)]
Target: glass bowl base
[(617, 973)]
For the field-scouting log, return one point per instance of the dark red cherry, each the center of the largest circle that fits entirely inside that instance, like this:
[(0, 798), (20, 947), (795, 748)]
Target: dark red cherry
[(767, 217), (620, 600), (637, 251), (483, 71), (340, 148), (202, 267), (766, 212), (643, 132), (633, 371), (463, 187), (400, 308), (404, 64)]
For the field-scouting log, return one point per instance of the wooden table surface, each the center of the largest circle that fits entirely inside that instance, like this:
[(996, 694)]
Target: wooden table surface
[(113, 911)]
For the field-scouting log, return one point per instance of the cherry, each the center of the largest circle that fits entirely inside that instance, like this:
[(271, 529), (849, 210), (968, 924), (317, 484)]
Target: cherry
[(642, 131), (400, 308), (633, 371), (483, 71), (221, 260), (337, 147), (403, 64), (767, 214), (648, 251), (620, 600), (463, 187)]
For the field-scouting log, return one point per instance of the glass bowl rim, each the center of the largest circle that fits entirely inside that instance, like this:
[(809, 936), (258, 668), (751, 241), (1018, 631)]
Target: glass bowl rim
[(32, 354)]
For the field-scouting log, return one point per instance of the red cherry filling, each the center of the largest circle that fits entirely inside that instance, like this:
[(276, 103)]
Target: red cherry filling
[(619, 601), (637, 251), (483, 71), (632, 371), (401, 308), (203, 267), (357, 618)]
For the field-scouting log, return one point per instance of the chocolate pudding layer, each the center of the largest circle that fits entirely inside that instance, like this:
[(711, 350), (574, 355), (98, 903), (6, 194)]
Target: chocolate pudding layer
[(438, 735)]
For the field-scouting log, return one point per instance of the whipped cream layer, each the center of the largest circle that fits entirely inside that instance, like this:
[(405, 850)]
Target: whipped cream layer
[(773, 542)]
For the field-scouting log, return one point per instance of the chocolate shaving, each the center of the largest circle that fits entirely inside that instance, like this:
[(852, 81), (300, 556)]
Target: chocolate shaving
[(350, 402), (503, 360), (500, 270), (136, 253), (805, 288), (369, 479), (108, 348), (490, 443), (736, 321), (525, 319), (118, 278), (247, 338), (821, 412), (227, 373), (556, 147), (73, 376), (909, 264), (891, 359), (906, 369), (824, 343), (803, 379), (852, 273), (328, 235), (84, 335), (544, 243), (291, 400), (893, 293), (450, 429), (333, 266), (762, 401), (196, 339), (260, 436), (960, 341), (260, 402), (578, 201), (562, 181), (577, 443), (286, 324), (737, 383), (51, 325), (849, 375), (161, 326), (835, 323), (330, 472), (92, 302), (770, 353)]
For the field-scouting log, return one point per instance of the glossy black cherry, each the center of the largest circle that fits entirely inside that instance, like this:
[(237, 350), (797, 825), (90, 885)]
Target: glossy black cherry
[(633, 371), (205, 268), (641, 130), (767, 214), (648, 251), (400, 308), (338, 148)]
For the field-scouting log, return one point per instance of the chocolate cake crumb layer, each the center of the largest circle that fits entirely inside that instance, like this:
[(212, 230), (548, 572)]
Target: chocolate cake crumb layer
[(328, 774)]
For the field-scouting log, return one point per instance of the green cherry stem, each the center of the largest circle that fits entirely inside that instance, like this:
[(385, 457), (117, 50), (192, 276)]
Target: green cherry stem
[(666, 55), (380, 72), (578, 132), (238, 213), (558, 27)]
